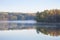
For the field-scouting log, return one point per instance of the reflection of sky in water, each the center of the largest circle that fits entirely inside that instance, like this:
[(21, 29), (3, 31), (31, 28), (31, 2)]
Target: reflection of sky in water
[(25, 35), (20, 21)]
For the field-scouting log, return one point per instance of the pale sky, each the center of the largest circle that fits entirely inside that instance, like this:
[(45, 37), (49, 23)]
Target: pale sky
[(28, 5)]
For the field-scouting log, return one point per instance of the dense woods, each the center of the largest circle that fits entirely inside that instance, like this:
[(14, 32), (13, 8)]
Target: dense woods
[(48, 16)]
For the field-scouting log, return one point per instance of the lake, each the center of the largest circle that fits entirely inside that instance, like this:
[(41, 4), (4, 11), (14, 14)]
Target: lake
[(29, 31)]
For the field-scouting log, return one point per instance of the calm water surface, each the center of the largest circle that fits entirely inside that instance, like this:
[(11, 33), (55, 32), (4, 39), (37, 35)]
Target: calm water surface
[(25, 35), (31, 32)]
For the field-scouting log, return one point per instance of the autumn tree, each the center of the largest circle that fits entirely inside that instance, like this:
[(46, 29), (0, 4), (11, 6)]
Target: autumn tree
[(48, 16)]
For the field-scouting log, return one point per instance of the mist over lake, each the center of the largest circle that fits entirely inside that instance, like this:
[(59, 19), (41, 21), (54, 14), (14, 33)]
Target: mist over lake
[(28, 30)]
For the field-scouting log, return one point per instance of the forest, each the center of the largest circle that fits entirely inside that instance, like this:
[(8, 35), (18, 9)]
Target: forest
[(50, 16)]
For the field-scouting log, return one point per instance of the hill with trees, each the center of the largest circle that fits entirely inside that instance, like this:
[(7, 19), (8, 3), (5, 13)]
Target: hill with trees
[(48, 16)]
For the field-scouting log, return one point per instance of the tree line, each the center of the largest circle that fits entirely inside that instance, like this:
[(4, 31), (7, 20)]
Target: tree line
[(48, 16)]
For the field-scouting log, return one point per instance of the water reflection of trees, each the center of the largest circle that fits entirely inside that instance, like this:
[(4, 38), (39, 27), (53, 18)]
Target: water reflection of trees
[(52, 30)]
